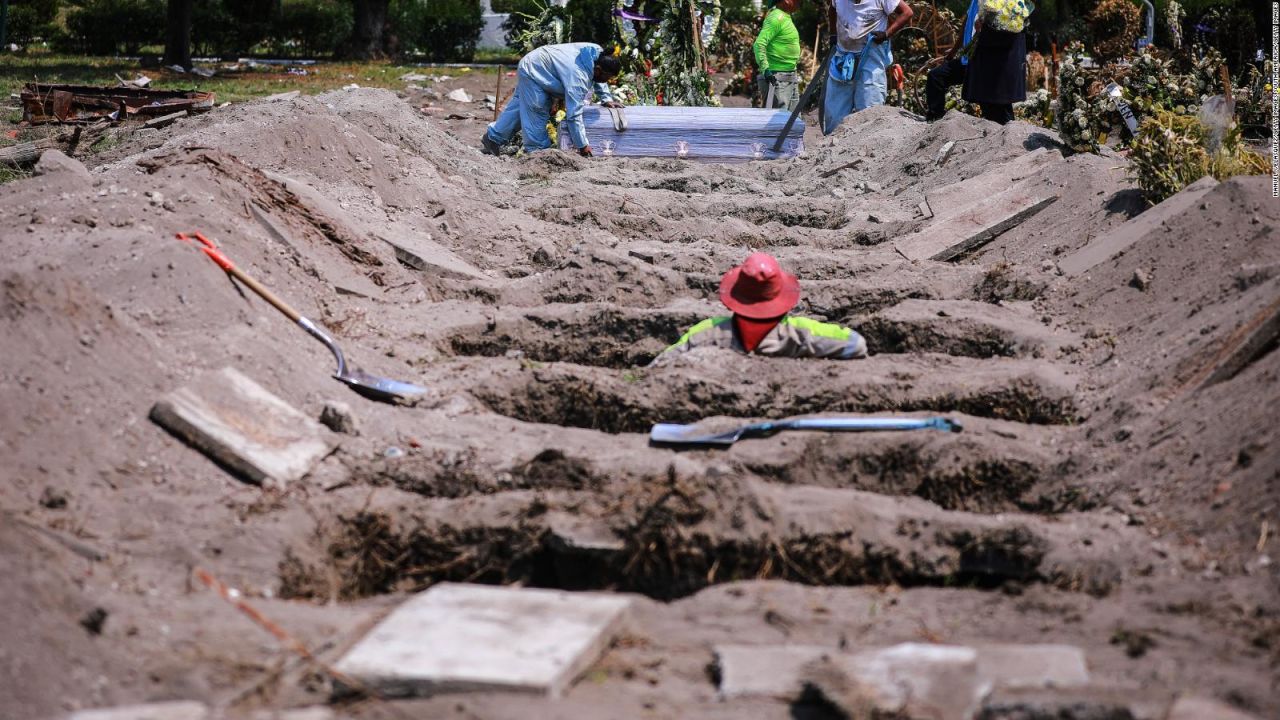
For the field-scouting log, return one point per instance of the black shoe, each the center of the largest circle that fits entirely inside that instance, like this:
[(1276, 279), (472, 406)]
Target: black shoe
[(488, 146)]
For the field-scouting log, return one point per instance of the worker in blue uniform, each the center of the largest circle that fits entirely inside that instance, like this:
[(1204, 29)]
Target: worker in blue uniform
[(570, 71), (861, 25), (952, 72)]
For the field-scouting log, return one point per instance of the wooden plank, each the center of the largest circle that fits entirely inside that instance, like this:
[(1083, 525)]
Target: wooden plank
[(966, 231), (1121, 237), (958, 196), (24, 154), (165, 120)]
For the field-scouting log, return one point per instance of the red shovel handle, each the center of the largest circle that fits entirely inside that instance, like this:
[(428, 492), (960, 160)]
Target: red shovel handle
[(207, 246)]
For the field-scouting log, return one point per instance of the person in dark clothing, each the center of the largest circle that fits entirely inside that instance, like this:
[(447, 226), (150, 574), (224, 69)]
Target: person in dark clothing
[(951, 72), (997, 75)]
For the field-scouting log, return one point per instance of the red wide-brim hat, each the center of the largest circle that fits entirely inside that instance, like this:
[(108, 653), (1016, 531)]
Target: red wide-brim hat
[(759, 288)]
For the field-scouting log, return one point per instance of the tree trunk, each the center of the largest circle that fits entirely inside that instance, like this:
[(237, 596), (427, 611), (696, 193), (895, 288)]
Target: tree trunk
[(370, 27), (177, 44), (4, 24)]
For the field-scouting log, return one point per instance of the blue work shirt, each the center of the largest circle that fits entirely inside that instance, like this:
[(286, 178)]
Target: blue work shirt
[(970, 18), (568, 71)]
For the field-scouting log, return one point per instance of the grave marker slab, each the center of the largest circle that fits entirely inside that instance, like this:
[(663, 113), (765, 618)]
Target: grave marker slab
[(464, 638), (244, 428)]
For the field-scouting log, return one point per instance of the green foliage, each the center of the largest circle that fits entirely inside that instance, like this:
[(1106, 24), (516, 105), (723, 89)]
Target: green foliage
[(1172, 151), (438, 29), (551, 25), (106, 27), (589, 20), (314, 27), (30, 20)]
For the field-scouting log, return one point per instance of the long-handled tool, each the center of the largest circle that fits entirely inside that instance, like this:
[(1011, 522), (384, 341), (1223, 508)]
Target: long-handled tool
[(809, 90), (371, 386), (689, 435), (813, 86)]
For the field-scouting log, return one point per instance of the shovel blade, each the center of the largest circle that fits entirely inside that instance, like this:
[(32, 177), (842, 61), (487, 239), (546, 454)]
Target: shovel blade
[(379, 388), (677, 434)]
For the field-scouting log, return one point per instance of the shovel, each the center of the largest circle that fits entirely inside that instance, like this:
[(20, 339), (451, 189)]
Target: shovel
[(688, 435), (804, 99), (370, 386)]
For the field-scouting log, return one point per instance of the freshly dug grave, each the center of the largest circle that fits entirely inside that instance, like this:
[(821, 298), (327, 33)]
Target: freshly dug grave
[(1103, 495)]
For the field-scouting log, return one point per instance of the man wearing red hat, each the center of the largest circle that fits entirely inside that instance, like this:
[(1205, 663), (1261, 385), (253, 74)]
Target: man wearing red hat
[(760, 294)]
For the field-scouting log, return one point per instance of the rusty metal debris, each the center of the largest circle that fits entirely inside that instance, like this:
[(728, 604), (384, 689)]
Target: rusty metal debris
[(42, 103)]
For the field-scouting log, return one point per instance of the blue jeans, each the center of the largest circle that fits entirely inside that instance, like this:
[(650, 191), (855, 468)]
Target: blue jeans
[(867, 88), (528, 110)]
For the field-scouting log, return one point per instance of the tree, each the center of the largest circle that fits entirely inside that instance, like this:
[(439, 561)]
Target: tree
[(368, 34), (177, 42)]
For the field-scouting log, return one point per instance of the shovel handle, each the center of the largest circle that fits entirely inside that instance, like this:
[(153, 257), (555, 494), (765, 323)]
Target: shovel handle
[(208, 248)]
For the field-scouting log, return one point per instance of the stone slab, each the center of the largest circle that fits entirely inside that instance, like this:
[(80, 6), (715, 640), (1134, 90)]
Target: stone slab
[(773, 671), (244, 428), (909, 680), (180, 710), (1033, 666), (1079, 703), (1106, 246), (316, 712), (426, 255), (974, 226), (950, 199), (465, 638), (779, 671)]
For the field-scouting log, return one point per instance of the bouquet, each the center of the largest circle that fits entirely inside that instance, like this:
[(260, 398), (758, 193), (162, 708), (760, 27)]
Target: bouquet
[(1008, 15)]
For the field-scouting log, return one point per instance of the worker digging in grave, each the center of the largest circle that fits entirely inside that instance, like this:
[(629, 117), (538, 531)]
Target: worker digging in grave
[(777, 50), (761, 295), (857, 23), (570, 71)]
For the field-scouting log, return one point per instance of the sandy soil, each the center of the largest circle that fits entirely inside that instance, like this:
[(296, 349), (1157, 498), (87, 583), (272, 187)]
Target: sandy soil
[(1100, 495)]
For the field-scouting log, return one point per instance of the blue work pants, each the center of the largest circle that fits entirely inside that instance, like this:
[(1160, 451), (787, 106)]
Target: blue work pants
[(868, 88), (528, 110)]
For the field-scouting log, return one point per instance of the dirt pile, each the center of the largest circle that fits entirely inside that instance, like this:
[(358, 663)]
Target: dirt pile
[(1101, 495)]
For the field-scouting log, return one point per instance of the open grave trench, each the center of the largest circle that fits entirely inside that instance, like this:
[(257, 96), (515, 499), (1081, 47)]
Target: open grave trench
[(531, 295), (566, 344)]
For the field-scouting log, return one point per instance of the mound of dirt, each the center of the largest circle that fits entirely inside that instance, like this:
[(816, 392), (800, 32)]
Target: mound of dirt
[(1115, 487)]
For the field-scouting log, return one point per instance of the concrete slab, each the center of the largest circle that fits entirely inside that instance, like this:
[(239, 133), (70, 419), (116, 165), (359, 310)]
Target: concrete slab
[(907, 680), (781, 671), (426, 255), (974, 226), (951, 199), (773, 671), (1106, 246), (244, 428), (1032, 666), (464, 638), (316, 712), (1078, 703), (180, 710)]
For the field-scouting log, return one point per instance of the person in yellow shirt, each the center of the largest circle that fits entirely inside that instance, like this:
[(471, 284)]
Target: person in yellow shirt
[(777, 50)]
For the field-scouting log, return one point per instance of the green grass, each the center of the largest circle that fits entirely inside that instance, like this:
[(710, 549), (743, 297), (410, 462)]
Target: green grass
[(17, 70)]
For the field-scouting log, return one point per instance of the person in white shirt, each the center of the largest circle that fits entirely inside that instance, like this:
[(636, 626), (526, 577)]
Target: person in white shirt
[(859, 23)]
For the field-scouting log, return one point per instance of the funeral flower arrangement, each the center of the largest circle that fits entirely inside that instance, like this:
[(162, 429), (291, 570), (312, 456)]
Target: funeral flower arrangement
[(1007, 15), (1076, 116)]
